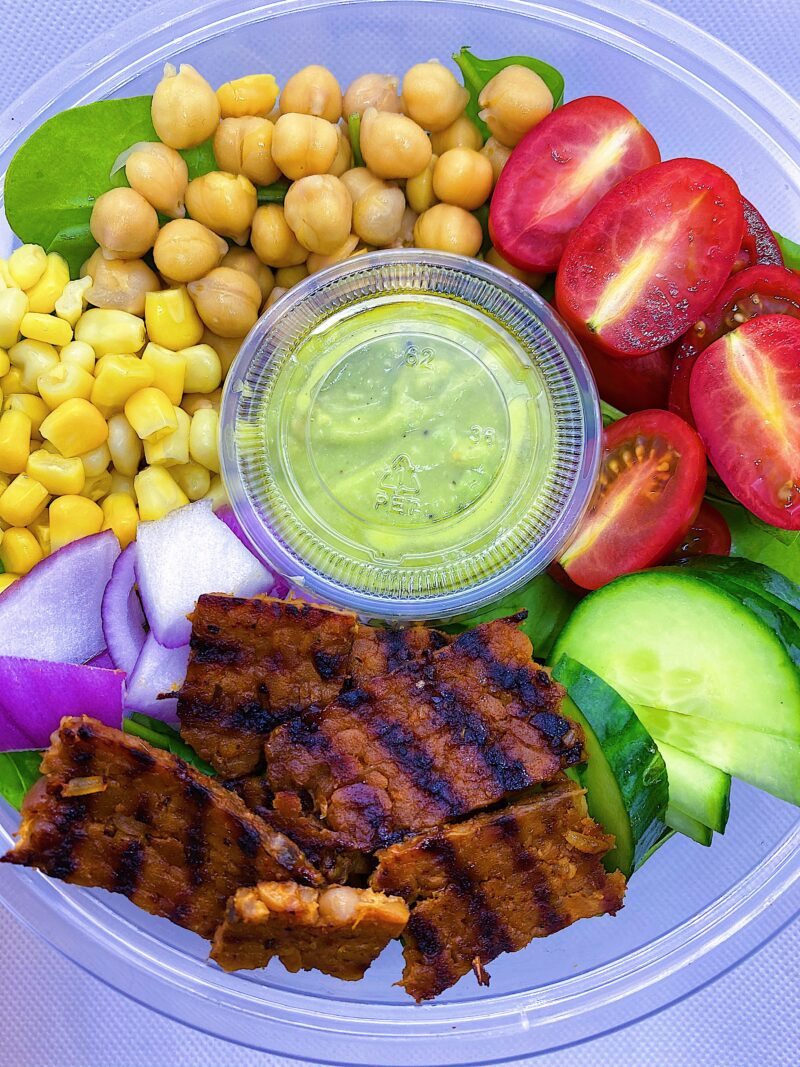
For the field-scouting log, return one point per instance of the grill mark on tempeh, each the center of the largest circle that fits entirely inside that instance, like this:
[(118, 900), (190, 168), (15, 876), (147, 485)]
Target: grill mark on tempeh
[(416, 763), (128, 869), (424, 934), (69, 828), (528, 865)]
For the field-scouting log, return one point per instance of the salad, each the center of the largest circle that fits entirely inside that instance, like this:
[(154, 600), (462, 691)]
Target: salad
[(180, 725)]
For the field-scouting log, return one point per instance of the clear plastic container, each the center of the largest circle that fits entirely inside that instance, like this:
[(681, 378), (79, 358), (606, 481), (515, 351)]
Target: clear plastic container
[(691, 913), (410, 435)]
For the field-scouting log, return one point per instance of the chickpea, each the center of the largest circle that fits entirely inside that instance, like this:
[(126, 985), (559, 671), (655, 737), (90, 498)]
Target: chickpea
[(123, 224), (286, 277), (497, 154), (448, 228), (319, 210), (371, 90), (343, 252), (121, 284), (244, 146), (160, 174), (496, 260), (304, 144), (393, 146), (432, 96), (313, 91), (186, 250), (255, 94), (227, 348), (185, 109), (463, 177), (273, 297), (378, 214), (246, 260), (358, 180), (227, 301), (225, 203), (343, 160), (405, 238), (513, 102), (273, 240), (419, 189), (463, 133)]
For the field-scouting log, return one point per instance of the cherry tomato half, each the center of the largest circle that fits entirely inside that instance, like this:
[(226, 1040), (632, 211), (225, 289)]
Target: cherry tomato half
[(766, 290), (652, 480), (745, 395), (558, 172), (632, 384), (707, 536), (758, 244), (651, 256)]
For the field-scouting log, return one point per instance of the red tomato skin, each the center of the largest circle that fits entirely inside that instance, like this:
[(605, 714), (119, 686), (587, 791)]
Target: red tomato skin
[(758, 463), (778, 292), (633, 384), (538, 176), (708, 535), (759, 246), (684, 219), (650, 526)]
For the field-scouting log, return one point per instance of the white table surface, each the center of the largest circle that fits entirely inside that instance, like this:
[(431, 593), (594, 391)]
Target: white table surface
[(52, 1014)]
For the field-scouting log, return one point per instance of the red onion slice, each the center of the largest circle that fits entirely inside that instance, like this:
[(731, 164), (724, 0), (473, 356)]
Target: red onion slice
[(158, 671), (123, 619)]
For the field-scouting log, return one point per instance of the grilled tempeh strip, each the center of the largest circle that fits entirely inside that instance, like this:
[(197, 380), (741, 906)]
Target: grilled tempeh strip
[(429, 742), (338, 930), (496, 881), (113, 812)]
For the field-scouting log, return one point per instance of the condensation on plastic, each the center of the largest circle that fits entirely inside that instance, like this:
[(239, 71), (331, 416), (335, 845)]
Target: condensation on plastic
[(691, 913)]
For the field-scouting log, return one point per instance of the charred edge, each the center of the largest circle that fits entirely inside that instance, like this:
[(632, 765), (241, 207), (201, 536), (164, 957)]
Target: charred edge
[(560, 736), (218, 653), (248, 839), (531, 870), (68, 824), (128, 869), (328, 665), (395, 646), (420, 933), (438, 640), (145, 759), (252, 718), (194, 850), (405, 750), (354, 698)]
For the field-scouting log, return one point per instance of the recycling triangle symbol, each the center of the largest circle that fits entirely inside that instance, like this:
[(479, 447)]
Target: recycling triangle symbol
[(401, 477)]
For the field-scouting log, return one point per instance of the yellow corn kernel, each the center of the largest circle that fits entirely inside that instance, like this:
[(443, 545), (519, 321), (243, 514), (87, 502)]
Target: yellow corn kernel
[(6, 281), (97, 487), (50, 286), (47, 328), (40, 528), (203, 369), (157, 492), (173, 448), (150, 414), (13, 309), (5, 481), (22, 501), (109, 330), (121, 516), (5, 363), (171, 319), (117, 378), (11, 383), (33, 358), (60, 475), (193, 402), (15, 441), (169, 370), (193, 478), (96, 461), (204, 439), (33, 406), (26, 265), (6, 580), (122, 483), (124, 445), (72, 517), (19, 550), (78, 354), (70, 305), (64, 382), (216, 494), (76, 426)]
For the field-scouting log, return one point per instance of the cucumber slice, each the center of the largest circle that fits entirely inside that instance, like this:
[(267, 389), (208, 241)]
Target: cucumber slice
[(764, 760), (669, 639), (770, 584), (688, 826), (699, 790), (625, 778)]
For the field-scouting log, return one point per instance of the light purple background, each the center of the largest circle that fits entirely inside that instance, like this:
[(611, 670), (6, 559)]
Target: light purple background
[(54, 1015)]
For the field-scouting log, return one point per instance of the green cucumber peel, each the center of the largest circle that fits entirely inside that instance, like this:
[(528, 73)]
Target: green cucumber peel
[(18, 772), (478, 72), (354, 129), (160, 735), (790, 251), (735, 572)]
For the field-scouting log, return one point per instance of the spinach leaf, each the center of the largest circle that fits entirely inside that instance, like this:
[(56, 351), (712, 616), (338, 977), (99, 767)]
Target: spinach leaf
[(790, 250), (275, 193), (482, 215), (354, 129), (477, 72), (18, 772), (758, 541), (161, 735)]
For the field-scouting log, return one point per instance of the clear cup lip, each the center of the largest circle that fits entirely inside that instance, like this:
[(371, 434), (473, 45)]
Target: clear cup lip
[(452, 604)]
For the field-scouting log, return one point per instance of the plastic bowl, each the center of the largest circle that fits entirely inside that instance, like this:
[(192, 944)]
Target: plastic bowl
[(691, 913)]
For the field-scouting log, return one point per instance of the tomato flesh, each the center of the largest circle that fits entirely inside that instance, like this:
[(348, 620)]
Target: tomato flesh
[(652, 480), (632, 384), (759, 245), (764, 290), (745, 395), (558, 172), (707, 536), (651, 256)]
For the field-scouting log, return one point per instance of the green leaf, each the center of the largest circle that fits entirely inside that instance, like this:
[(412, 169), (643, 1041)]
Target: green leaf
[(790, 250), (478, 72), (354, 129), (160, 735), (275, 193), (610, 413), (18, 772), (482, 215), (758, 541)]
